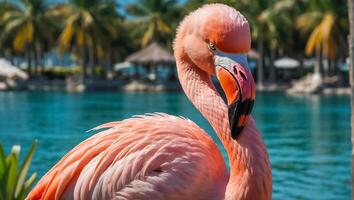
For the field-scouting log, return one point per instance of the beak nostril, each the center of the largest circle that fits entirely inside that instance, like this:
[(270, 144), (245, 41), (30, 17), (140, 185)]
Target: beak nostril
[(243, 75), (235, 71)]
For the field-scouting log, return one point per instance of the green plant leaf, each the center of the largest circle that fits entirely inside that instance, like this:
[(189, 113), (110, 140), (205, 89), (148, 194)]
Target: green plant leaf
[(3, 169), (2, 162), (11, 175), (24, 168), (30, 181), (26, 188), (15, 151)]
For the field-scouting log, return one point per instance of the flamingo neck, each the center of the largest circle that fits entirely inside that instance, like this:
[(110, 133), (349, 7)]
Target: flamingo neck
[(201, 92), (250, 174)]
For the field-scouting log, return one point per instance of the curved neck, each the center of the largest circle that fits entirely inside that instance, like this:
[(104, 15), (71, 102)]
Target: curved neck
[(200, 90), (248, 158)]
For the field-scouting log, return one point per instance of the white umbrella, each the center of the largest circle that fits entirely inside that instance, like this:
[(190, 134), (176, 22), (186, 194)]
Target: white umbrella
[(7, 70), (122, 65), (286, 63)]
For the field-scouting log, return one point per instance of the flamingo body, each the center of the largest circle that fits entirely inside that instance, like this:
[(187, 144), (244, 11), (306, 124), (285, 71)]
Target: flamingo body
[(159, 156), (149, 157)]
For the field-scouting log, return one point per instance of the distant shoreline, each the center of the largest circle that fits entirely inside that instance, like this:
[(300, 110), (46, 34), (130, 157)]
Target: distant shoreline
[(143, 86), (323, 91), (96, 85)]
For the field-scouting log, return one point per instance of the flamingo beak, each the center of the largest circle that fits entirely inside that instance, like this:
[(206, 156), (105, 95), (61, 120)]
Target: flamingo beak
[(239, 88)]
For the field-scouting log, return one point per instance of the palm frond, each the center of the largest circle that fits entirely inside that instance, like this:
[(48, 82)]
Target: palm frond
[(24, 36), (327, 25), (163, 27), (314, 41), (87, 19), (13, 25), (80, 37), (148, 36), (66, 36), (307, 21), (62, 10)]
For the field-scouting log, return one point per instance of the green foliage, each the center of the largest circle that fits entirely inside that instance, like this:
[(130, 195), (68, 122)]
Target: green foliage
[(89, 28), (86, 24), (154, 19), (97, 34), (323, 21), (60, 73), (26, 25), (13, 183)]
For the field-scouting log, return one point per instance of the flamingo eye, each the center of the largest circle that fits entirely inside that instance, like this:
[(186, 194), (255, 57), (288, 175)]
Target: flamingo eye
[(212, 46)]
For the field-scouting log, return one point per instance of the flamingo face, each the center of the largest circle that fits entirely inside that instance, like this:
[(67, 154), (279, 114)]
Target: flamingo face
[(239, 88), (214, 41)]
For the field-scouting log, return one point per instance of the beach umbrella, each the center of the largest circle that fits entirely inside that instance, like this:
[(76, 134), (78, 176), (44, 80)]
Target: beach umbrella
[(7, 70), (122, 65), (286, 63), (152, 54)]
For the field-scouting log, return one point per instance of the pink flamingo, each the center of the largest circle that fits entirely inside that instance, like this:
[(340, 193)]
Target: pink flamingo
[(159, 156)]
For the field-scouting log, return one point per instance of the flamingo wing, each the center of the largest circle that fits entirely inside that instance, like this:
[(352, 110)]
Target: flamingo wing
[(156, 156)]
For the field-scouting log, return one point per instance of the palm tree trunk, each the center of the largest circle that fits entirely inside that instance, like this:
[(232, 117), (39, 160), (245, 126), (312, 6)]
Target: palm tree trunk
[(42, 57), (84, 64), (318, 71), (39, 59), (35, 59), (8, 55), (335, 67), (260, 65), (91, 58), (29, 61), (318, 64), (272, 68), (108, 63), (351, 78)]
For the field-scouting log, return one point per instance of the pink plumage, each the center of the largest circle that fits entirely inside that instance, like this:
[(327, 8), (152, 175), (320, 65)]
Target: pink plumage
[(137, 159), (159, 156)]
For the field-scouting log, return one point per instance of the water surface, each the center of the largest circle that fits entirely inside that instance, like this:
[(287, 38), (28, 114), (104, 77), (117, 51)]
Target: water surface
[(308, 138)]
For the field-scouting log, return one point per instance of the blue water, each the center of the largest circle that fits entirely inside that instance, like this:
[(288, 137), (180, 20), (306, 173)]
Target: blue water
[(308, 138)]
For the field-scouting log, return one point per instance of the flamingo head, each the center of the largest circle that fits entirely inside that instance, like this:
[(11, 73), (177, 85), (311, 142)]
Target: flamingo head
[(216, 40)]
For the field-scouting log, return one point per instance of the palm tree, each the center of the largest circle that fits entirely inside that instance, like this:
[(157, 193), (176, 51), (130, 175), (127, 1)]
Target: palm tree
[(325, 23), (251, 9), (351, 78), (28, 29), (190, 6), (88, 27), (153, 19), (262, 29), (3, 48), (276, 25)]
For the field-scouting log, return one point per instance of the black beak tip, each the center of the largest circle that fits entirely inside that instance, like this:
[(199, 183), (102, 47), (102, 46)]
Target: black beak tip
[(236, 131), (236, 110), (234, 115)]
